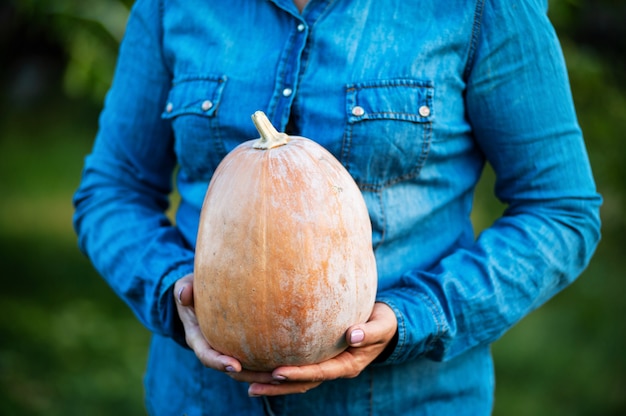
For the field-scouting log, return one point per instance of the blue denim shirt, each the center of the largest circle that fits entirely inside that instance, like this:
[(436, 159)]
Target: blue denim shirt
[(413, 98)]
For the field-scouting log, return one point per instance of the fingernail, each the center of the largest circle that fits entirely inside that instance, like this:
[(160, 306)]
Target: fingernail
[(230, 369), (278, 377), (180, 295), (357, 336), (250, 394)]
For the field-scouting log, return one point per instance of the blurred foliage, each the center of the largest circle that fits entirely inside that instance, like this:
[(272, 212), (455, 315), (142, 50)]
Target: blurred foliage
[(69, 346), (87, 32)]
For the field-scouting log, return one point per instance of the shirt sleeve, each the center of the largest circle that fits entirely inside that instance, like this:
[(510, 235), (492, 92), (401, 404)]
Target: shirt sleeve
[(123, 195), (520, 107)]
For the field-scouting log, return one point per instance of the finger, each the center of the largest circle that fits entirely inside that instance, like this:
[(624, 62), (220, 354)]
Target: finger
[(183, 290), (380, 328), (348, 364), (259, 389), (207, 355), (247, 376)]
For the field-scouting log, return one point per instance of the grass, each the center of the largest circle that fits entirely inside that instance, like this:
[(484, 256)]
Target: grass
[(68, 345)]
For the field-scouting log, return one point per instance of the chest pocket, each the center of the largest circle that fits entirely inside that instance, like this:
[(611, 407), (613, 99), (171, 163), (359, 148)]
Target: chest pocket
[(389, 131), (192, 107)]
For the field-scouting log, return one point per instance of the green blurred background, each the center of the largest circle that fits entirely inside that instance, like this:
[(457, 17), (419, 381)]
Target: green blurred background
[(68, 346)]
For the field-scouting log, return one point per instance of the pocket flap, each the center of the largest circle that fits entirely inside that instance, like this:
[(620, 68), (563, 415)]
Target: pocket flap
[(396, 99), (200, 96)]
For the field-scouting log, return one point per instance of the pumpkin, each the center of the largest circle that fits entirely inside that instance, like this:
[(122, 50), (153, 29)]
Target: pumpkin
[(284, 261)]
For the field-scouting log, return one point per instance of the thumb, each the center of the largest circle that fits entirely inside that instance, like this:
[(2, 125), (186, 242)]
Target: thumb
[(380, 328), (183, 290), (356, 337)]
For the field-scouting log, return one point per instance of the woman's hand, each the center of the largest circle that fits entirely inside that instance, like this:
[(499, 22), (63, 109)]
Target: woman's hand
[(183, 293), (366, 342)]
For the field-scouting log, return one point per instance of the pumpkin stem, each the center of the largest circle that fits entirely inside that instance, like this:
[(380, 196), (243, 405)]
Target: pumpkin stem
[(270, 137)]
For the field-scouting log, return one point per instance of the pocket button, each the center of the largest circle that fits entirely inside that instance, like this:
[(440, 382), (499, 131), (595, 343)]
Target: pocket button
[(424, 111), (207, 105), (358, 111)]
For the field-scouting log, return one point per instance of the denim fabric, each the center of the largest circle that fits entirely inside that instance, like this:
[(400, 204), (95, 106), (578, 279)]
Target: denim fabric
[(413, 98)]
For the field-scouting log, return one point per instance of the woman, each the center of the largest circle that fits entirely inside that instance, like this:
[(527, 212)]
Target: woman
[(414, 99)]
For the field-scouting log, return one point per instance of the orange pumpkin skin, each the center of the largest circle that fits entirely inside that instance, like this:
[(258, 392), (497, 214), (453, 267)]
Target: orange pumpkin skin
[(284, 262)]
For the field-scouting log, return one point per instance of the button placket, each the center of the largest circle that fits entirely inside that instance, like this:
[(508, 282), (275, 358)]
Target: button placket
[(287, 83), (288, 91)]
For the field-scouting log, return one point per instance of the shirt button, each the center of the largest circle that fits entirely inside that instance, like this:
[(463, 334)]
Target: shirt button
[(358, 111), (169, 107), (424, 111), (287, 92), (300, 27), (207, 105)]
